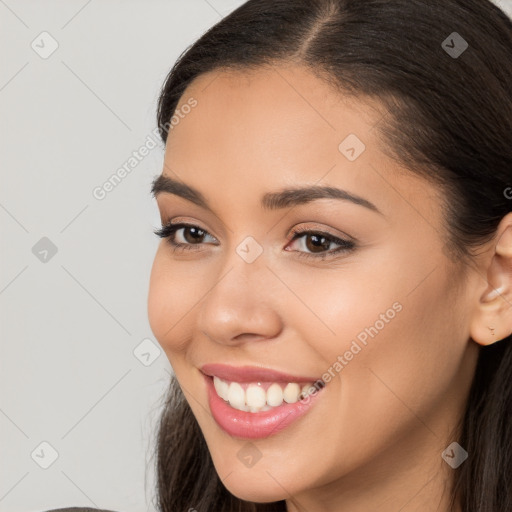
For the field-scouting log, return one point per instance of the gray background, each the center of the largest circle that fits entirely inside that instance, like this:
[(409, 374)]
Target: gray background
[(81, 374)]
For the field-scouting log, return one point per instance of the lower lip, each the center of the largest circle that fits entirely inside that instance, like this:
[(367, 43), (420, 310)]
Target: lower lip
[(255, 425)]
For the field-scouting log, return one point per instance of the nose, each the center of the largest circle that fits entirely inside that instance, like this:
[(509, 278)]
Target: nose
[(242, 304)]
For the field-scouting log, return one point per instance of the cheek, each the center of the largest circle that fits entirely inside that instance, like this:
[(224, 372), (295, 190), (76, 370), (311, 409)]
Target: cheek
[(170, 296), (389, 351), (401, 375), (341, 312), (157, 300)]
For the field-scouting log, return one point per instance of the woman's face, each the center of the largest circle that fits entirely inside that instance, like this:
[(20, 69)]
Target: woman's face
[(383, 321)]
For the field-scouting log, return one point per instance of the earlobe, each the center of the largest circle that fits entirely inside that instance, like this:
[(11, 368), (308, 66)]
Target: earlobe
[(492, 318)]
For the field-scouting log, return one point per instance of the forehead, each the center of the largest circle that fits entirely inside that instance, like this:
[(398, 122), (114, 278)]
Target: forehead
[(263, 129), (277, 106)]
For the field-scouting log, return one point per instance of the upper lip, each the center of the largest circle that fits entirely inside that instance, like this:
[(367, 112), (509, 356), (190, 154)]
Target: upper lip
[(251, 374)]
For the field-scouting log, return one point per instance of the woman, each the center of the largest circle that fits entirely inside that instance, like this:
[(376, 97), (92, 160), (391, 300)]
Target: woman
[(334, 285)]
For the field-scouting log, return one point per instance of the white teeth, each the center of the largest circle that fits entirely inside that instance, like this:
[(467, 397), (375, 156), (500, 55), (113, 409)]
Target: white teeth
[(236, 396), (255, 396), (305, 390), (221, 387), (255, 399), (274, 395), (291, 393)]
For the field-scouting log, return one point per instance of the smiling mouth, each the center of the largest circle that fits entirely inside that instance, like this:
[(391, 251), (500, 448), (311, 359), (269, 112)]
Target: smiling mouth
[(254, 402), (253, 409), (262, 396)]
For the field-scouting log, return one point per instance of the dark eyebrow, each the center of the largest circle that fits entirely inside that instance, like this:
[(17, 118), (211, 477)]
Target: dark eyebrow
[(270, 201)]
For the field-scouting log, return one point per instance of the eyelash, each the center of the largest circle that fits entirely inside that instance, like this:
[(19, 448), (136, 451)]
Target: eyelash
[(169, 230)]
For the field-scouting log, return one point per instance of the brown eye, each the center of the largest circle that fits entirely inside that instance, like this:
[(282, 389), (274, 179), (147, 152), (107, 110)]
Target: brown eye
[(314, 244), (195, 234), (192, 235)]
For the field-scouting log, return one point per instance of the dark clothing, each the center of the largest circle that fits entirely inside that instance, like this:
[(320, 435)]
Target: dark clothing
[(78, 509)]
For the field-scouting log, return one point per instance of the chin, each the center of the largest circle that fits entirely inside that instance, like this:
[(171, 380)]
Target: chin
[(245, 488)]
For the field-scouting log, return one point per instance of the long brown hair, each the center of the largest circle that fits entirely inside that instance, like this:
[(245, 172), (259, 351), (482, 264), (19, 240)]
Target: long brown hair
[(450, 120)]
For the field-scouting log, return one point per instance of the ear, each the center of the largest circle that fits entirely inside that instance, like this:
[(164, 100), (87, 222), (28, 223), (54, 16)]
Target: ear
[(492, 317)]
